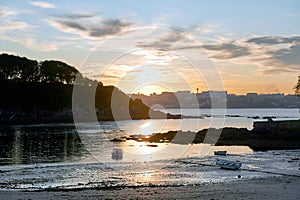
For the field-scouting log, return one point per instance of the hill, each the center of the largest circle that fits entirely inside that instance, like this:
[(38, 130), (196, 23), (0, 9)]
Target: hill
[(41, 92)]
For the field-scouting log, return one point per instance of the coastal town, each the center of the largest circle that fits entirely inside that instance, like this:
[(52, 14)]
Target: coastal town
[(187, 99)]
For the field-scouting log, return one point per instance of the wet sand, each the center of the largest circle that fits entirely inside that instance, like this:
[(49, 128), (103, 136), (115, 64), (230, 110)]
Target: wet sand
[(279, 187)]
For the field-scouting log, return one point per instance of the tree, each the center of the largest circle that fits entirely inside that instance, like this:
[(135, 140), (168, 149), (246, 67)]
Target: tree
[(297, 87), (55, 71), (29, 70), (18, 68)]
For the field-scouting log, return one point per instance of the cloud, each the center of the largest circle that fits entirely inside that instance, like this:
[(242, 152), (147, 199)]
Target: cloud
[(12, 25), (17, 31), (89, 26), (108, 27), (227, 50), (278, 54), (282, 60), (172, 37), (80, 15), (178, 40), (42, 4), (8, 23), (13, 29), (73, 25), (273, 54), (156, 45), (265, 51), (289, 56), (5, 12), (32, 43), (273, 40), (174, 40)]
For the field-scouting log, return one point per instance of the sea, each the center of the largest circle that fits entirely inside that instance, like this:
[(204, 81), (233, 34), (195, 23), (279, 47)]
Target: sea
[(76, 156)]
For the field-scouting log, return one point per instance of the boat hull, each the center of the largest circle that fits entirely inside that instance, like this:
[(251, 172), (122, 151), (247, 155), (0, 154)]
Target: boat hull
[(226, 164), (220, 153)]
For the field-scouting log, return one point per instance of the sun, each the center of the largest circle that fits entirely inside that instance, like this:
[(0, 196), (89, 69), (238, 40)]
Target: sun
[(151, 88)]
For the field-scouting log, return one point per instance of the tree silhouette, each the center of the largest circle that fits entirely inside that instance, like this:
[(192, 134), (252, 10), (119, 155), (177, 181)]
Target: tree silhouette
[(18, 69), (297, 87), (56, 71), (21, 69)]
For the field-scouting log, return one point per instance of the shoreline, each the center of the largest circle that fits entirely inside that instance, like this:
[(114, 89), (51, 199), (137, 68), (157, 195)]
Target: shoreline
[(273, 187), (273, 175), (270, 135), (66, 116)]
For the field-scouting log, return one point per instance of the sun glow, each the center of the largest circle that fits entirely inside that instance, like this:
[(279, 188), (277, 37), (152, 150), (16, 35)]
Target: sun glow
[(150, 89)]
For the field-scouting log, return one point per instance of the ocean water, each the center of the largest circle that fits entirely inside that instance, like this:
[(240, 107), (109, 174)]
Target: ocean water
[(44, 156)]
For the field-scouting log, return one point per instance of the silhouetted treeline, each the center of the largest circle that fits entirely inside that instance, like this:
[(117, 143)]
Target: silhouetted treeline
[(27, 96), (33, 92), (21, 69), (297, 87)]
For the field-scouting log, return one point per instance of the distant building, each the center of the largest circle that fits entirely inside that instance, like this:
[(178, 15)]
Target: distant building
[(213, 94), (207, 99), (251, 95), (278, 95)]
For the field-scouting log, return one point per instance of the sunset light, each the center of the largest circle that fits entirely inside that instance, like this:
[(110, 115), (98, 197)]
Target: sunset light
[(159, 99)]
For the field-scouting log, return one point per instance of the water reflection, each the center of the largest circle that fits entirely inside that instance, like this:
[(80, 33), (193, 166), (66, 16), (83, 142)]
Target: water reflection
[(58, 143), (141, 152), (25, 145)]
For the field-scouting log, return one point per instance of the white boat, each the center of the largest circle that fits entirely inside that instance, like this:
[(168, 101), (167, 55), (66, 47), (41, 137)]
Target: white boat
[(117, 154), (227, 164)]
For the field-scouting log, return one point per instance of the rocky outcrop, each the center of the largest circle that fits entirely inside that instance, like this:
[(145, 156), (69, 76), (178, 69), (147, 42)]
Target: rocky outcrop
[(264, 136)]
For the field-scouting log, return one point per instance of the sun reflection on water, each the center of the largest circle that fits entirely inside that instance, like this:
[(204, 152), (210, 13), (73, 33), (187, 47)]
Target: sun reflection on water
[(143, 151), (148, 177)]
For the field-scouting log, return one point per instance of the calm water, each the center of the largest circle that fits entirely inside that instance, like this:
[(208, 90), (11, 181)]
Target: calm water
[(39, 144), (67, 143), (64, 155)]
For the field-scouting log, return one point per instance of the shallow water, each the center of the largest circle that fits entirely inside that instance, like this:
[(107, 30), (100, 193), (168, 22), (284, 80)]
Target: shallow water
[(62, 143), (39, 144), (33, 160), (173, 172), (63, 156)]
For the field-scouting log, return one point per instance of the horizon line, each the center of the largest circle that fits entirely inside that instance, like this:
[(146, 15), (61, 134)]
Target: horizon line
[(244, 94)]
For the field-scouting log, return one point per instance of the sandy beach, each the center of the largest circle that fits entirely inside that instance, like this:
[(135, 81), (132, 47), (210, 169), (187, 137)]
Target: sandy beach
[(278, 187)]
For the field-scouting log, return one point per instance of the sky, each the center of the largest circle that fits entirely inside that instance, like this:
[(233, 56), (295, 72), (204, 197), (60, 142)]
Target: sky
[(155, 46)]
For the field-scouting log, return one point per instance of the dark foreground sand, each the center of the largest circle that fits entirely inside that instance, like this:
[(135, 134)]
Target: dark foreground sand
[(266, 188)]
